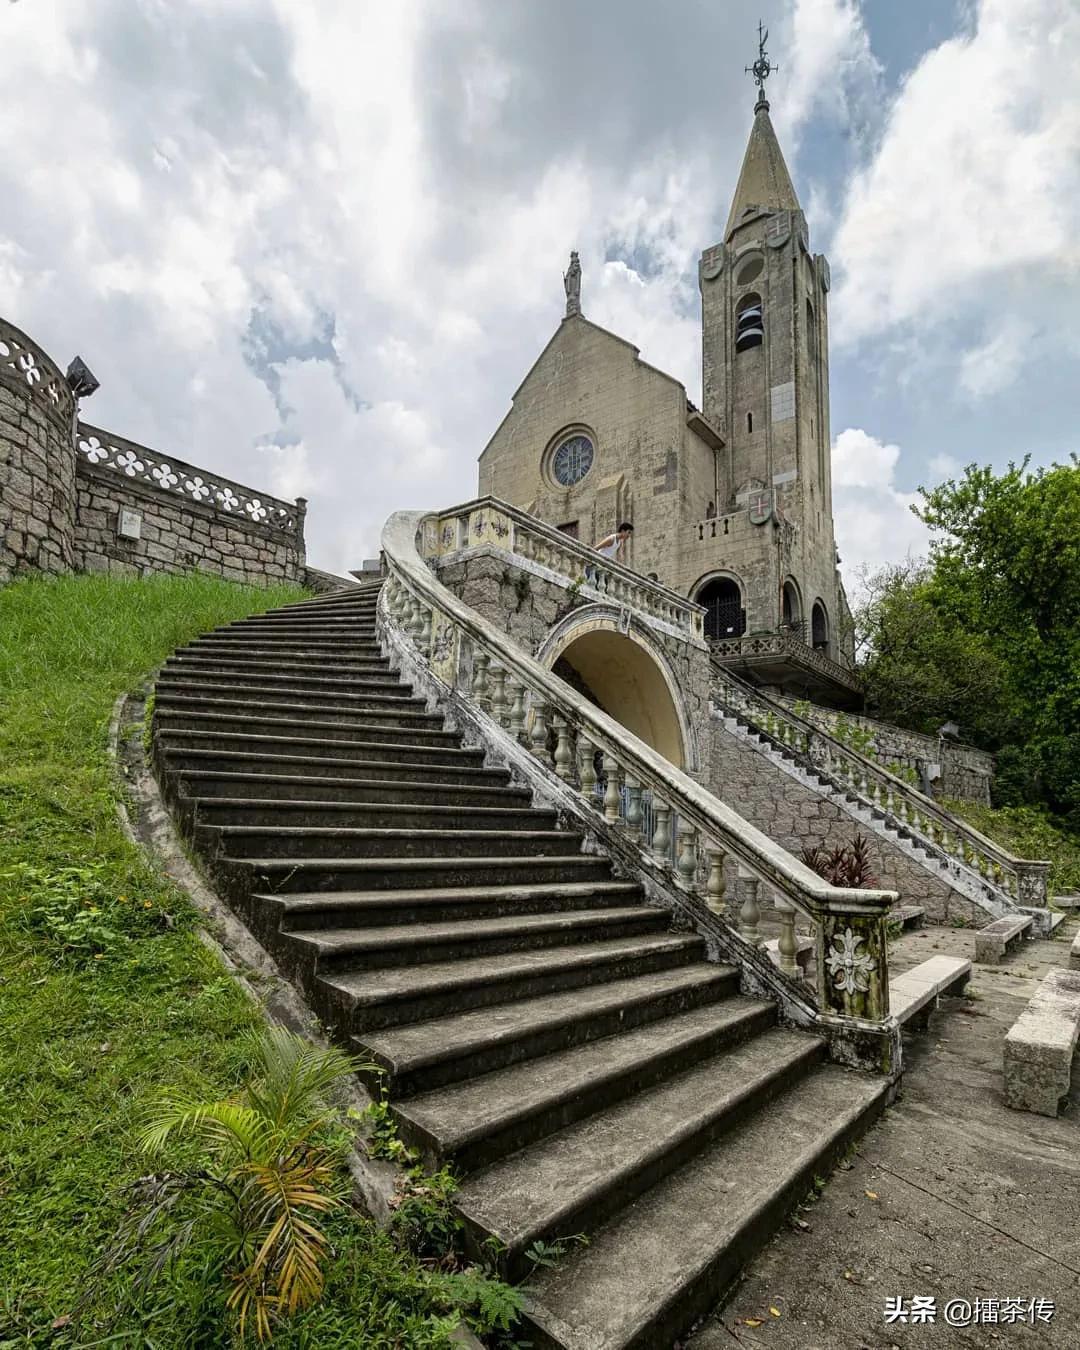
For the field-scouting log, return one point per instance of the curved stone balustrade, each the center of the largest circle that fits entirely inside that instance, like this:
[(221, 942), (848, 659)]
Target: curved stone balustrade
[(104, 450), (534, 711), (24, 363), (1021, 881), (496, 524)]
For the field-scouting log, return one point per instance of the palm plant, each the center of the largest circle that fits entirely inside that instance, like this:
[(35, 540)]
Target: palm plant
[(271, 1178)]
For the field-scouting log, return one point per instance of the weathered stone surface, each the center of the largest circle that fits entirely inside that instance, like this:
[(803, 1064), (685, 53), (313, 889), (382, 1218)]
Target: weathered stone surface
[(993, 941), (1039, 1048), (945, 768)]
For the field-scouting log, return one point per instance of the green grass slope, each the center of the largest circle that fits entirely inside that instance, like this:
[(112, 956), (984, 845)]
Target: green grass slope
[(107, 996)]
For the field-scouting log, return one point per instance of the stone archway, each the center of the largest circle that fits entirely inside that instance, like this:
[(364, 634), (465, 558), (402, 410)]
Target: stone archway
[(628, 677)]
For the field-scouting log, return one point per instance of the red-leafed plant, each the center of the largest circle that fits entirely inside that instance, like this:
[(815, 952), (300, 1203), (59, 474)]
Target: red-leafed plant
[(846, 865)]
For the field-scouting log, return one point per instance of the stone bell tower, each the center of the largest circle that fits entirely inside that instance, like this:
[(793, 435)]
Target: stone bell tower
[(765, 382)]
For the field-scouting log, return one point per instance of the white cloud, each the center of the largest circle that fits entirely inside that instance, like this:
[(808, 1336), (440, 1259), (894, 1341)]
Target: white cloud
[(992, 366), (872, 516), (828, 66), (969, 205)]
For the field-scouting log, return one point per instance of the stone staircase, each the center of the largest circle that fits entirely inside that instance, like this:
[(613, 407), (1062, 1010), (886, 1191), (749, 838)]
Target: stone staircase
[(940, 844), (582, 1067)]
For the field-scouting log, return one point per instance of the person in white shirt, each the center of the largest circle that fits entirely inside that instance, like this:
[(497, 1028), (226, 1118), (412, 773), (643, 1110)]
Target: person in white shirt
[(614, 546)]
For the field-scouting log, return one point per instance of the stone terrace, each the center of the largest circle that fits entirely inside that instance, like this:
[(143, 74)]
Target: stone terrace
[(972, 1200)]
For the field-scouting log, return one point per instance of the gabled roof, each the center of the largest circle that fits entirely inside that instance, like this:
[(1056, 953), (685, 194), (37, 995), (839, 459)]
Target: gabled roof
[(764, 180), (578, 318)]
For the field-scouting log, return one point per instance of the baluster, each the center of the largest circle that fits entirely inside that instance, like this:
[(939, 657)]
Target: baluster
[(517, 710), (612, 797), (715, 886), (634, 814), (749, 913), (661, 840), (499, 707), (564, 759), (586, 768), (539, 734), (416, 625), (425, 629), (788, 948), (687, 863), (481, 661)]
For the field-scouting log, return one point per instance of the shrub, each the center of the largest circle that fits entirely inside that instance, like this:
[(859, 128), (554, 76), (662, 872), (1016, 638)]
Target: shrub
[(846, 865)]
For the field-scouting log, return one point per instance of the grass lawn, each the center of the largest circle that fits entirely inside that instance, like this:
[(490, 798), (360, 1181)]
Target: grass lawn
[(107, 996)]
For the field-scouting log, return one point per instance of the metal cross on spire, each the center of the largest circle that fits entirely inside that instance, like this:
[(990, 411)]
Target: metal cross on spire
[(762, 67)]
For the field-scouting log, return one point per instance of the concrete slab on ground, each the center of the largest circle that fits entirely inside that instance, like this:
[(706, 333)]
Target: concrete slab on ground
[(950, 1196)]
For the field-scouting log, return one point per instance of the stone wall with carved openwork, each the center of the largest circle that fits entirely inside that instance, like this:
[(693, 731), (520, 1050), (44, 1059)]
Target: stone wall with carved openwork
[(141, 511), (37, 460)]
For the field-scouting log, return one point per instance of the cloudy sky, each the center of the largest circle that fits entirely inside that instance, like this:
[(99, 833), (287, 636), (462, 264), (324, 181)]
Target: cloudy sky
[(315, 246)]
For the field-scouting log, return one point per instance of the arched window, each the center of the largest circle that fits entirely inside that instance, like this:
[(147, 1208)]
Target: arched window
[(819, 627), (724, 613), (791, 609), (811, 331), (749, 323)]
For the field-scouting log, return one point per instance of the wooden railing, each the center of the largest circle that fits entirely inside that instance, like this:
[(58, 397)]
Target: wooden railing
[(489, 522), (1021, 881), (563, 732)]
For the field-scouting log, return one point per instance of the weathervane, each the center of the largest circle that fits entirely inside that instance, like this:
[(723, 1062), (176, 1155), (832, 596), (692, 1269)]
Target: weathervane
[(762, 67)]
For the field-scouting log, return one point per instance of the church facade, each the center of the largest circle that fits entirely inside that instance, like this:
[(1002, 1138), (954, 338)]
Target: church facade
[(732, 503)]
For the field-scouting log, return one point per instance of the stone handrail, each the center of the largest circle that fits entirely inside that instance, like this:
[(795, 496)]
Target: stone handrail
[(487, 520), (1022, 880), (536, 708), (166, 473), (783, 644), (25, 364)]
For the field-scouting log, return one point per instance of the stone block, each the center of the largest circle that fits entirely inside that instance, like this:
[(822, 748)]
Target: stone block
[(993, 941), (1039, 1047), (1074, 953)]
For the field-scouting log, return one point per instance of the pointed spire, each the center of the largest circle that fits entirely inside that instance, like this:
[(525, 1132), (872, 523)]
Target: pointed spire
[(764, 180)]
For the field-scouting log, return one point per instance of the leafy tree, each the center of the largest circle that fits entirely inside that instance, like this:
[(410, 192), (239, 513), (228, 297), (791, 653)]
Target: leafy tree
[(987, 632)]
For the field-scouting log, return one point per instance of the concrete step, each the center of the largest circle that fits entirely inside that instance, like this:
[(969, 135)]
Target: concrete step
[(286, 875), (201, 757), (472, 1123), (313, 693), (650, 1272), (372, 747), (258, 811), (420, 944), (282, 789), (362, 728), (297, 709), (358, 909), (327, 622), (299, 842), (371, 673), (371, 999), (269, 644), (579, 1177)]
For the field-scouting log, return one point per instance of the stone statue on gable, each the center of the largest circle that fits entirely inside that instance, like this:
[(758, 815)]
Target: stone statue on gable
[(572, 284)]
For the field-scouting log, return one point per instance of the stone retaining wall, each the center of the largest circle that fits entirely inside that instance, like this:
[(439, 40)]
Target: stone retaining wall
[(797, 817), (73, 496), (37, 460), (943, 767), (174, 535)]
